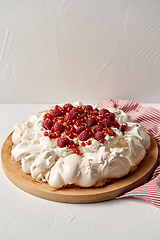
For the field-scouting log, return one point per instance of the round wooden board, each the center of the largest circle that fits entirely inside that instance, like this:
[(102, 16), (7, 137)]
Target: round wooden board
[(114, 189)]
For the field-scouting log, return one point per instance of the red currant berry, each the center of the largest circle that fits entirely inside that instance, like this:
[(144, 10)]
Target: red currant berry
[(46, 134), (77, 151), (100, 123), (67, 132), (83, 120), (124, 127), (88, 130), (54, 136), (78, 117), (83, 144), (58, 134), (69, 109), (61, 121), (50, 136), (102, 141), (73, 130), (116, 124), (57, 107), (74, 121), (78, 123), (54, 121), (74, 145), (45, 116), (63, 112), (89, 142), (71, 135), (91, 134), (49, 116), (114, 134), (52, 129)]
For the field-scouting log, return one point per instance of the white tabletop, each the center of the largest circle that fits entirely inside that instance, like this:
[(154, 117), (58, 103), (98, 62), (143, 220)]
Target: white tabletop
[(23, 216)]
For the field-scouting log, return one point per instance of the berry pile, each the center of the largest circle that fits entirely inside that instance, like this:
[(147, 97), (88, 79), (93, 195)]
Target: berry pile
[(81, 122)]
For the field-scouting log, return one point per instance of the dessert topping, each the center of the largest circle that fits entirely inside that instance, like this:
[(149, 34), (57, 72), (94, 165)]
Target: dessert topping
[(81, 122)]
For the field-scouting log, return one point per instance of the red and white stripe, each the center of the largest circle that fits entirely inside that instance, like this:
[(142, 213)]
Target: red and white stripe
[(150, 119)]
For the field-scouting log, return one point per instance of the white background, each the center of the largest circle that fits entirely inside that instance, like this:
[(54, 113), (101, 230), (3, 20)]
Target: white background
[(55, 51)]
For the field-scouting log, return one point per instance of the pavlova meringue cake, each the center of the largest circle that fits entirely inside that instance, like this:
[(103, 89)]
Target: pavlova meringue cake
[(76, 144)]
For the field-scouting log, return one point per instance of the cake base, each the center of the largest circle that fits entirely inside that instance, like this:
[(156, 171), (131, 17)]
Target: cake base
[(75, 194)]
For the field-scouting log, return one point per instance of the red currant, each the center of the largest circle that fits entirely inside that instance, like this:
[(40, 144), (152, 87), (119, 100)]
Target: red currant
[(78, 123), (114, 134), (54, 136), (49, 116), (74, 145), (102, 141), (116, 124), (61, 120), (91, 134), (89, 142), (100, 123), (88, 130), (73, 130), (63, 112), (83, 144), (67, 132), (71, 142), (50, 136), (77, 151), (69, 109), (78, 117), (58, 134), (124, 127), (71, 135), (57, 107), (52, 129), (74, 121), (68, 128), (46, 134)]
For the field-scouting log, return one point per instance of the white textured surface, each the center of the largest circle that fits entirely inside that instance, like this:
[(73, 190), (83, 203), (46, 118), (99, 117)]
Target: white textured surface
[(23, 216), (91, 50)]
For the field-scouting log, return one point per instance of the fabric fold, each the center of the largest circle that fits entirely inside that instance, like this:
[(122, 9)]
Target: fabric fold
[(150, 118)]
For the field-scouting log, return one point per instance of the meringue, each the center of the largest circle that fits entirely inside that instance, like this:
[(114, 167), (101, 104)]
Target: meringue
[(98, 162)]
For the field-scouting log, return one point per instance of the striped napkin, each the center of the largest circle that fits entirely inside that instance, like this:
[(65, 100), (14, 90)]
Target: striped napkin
[(150, 119)]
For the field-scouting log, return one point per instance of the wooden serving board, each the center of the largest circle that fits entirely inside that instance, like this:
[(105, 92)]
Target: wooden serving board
[(114, 189)]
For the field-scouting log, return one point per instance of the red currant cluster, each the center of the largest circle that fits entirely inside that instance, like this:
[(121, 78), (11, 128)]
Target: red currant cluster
[(83, 122)]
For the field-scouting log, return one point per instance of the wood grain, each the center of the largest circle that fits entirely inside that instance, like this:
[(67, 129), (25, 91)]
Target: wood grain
[(114, 189)]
